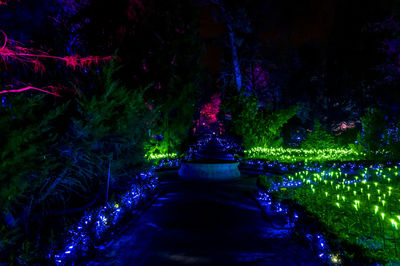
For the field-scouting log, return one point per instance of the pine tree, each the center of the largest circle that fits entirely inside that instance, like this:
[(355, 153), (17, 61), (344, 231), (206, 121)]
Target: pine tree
[(319, 138)]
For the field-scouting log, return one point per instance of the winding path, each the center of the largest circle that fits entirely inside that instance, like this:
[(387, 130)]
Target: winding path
[(205, 224)]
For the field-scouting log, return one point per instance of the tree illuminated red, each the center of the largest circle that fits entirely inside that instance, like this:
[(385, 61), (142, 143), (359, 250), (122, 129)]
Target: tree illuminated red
[(49, 89), (14, 51), (210, 110)]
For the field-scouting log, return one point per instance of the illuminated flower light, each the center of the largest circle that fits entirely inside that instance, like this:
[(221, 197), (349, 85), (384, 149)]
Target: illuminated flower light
[(94, 225)]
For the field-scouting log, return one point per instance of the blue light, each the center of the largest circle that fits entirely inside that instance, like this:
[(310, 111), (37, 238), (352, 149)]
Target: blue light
[(80, 236)]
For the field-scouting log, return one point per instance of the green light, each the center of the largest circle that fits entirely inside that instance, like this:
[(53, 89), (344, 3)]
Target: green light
[(162, 156), (394, 223), (291, 155)]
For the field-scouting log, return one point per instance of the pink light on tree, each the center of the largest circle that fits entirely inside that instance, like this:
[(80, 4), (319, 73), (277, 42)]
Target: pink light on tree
[(49, 89), (11, 50), (210, 110), (14, 51), (343, 126)]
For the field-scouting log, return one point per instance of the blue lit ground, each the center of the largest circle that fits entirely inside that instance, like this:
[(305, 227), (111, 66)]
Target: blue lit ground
[(205, 223)]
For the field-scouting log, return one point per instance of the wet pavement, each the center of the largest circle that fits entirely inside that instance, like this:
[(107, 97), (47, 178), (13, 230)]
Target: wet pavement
[(205, 224)]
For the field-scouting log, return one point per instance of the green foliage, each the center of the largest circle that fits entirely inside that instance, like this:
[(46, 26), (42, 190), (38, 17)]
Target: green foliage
[(266, 182), (55, 156), (373, 125), (28, 131), (347, 137), (293, 155), (111, 125), (257, 126), (173, 121), (392, 140), (319, 138), (357, 146)]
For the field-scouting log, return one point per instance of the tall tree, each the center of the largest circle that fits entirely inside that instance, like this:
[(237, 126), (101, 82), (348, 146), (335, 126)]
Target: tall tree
[(236, 22)]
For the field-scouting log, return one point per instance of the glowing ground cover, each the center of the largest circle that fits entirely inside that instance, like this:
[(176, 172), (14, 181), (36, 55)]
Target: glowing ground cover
[(360, 209), (291, 155), (159, 156)]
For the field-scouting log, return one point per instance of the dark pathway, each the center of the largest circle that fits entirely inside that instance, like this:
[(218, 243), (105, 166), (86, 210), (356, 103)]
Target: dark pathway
[(205, 223)]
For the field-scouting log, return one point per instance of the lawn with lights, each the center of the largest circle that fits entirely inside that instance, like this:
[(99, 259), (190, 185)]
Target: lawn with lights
[(358, 210), (292, 155)]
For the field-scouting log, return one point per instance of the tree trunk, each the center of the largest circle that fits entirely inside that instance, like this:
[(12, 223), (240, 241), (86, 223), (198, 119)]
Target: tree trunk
[(235, 59)]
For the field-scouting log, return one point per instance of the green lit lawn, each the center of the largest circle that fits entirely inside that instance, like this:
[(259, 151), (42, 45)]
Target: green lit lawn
[(291, 155), (160, 156), (365, 212)]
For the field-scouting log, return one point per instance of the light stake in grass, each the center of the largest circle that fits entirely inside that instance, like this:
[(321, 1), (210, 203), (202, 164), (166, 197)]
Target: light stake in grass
[(383, 229), (394, 225)]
